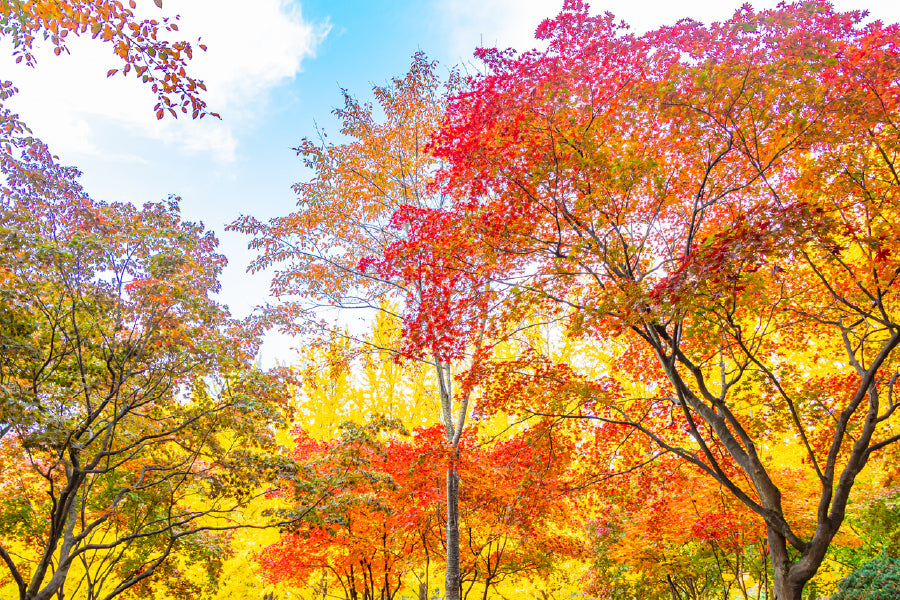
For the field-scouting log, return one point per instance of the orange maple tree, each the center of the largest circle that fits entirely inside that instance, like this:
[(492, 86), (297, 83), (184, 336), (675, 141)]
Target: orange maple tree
[(362, 536), (324, 251), (713, 209), (382, 521)]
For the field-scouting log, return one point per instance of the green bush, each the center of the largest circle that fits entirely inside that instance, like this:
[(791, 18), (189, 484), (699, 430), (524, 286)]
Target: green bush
[(878, 579)]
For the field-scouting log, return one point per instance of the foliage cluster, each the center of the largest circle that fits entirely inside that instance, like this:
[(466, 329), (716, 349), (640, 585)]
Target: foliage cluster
[(878, 579)]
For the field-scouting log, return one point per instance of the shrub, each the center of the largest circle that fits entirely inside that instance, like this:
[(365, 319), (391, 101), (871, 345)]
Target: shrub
[(878, 579)]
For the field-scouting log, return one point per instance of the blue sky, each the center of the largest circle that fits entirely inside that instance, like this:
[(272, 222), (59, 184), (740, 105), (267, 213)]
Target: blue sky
[(274, 70)]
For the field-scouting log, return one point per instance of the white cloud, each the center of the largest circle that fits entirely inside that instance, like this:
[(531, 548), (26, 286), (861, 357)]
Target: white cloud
[(249, 53), (251, 47), (493, 23)]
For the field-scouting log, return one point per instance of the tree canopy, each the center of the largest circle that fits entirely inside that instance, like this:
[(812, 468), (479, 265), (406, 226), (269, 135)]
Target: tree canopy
[(630, 331), (714, 207)]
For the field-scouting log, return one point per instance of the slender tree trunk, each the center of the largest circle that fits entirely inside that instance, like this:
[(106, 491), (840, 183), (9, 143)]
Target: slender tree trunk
[(423, 586), (673, 591), (452, 582)]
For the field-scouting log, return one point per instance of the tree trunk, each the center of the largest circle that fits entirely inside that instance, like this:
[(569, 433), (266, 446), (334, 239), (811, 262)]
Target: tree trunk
[(785, 590), (452, 582), (673, 591), (783, 586), (424, 586)]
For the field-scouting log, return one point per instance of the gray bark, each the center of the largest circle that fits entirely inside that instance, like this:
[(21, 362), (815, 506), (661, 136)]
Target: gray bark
[(452, 580)]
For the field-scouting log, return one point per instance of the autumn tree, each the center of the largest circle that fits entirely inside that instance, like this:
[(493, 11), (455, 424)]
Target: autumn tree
[(126, 390), (338, 391), (131, 418), (713, 207), (521, 521), (382, 520), (338, 383), (365, 536), (668, 532), (323, 251)]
